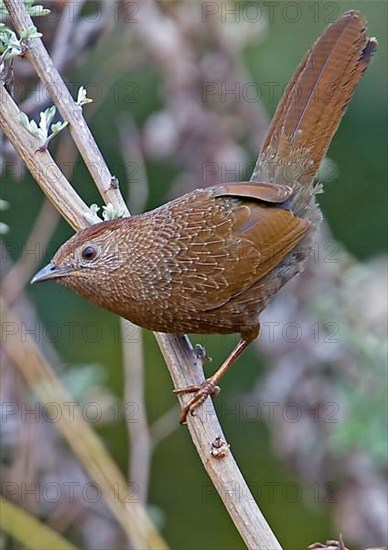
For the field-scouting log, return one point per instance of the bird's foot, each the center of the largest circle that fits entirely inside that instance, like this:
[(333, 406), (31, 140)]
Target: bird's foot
[(201, 393)]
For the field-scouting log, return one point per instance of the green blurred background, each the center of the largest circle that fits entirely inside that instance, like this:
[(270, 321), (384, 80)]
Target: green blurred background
[(190, 513)]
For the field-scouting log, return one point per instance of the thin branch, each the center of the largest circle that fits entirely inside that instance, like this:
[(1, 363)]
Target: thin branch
[(184, 368), (138, 188), (22, 271), (138, 431), (40, 234), (140, 449), (59, 53), (41, 165), (80, 437), (164, 426), (28, 531), (69, 109)]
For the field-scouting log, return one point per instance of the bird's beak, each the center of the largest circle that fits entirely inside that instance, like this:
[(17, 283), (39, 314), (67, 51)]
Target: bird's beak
[(50, 271)]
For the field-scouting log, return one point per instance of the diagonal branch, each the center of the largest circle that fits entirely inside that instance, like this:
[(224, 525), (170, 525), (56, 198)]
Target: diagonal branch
[(184, 367), (85, 444), (42, 166)]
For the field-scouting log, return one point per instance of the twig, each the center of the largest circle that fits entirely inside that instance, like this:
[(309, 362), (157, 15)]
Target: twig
[(41, 165), (40, 234), (139, 437), (177, 351), (80, 437), (164, 426), (138, 188), (22, 271), (59, 53), (140, 449), (69, 109), (28, 530)]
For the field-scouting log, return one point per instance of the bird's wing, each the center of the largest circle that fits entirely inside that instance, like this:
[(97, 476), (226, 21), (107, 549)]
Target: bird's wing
[(266, 192), (225, 240)]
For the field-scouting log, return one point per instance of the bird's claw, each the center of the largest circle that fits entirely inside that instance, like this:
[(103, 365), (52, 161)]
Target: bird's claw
[(201, 393)]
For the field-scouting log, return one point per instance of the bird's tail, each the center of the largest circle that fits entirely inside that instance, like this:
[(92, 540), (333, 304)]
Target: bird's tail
[(312, 107)]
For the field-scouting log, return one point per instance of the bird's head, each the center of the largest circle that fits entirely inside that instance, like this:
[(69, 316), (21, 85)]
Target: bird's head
[(88, 259)]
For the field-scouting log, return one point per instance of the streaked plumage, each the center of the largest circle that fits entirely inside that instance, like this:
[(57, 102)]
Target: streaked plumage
[(210, 261), (186, 266)]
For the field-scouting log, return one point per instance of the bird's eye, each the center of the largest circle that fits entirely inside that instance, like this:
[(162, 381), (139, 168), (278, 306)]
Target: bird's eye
[(89, 253)]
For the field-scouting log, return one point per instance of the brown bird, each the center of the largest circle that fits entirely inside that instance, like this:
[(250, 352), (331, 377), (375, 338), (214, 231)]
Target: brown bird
[(211, 260)]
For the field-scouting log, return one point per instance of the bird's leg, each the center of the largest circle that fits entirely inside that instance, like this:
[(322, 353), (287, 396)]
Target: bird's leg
[(209, 387)]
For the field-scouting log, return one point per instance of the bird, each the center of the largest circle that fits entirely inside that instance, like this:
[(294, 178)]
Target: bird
[(211, 260)]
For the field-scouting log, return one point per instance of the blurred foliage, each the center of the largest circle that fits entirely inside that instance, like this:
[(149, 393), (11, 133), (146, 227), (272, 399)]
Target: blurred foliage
[(28, 531)]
